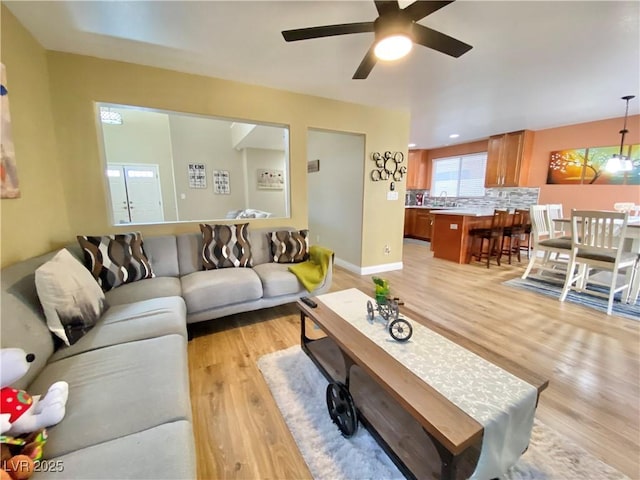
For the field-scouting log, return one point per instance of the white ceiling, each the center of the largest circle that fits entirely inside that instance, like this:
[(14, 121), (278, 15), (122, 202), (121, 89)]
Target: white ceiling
[(533, 65)]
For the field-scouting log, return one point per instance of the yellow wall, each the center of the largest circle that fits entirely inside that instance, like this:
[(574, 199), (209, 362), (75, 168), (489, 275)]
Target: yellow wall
[(76, 82), (37, 222)]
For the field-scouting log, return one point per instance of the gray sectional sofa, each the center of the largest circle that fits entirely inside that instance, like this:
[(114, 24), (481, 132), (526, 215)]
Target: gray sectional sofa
[(128, 413)]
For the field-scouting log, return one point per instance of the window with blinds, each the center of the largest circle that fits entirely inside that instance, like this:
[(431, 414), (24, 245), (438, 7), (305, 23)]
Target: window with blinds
[(461, 176)]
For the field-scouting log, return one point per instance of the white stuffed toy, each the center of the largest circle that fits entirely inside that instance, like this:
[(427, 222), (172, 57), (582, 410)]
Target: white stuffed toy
[(20, 412)]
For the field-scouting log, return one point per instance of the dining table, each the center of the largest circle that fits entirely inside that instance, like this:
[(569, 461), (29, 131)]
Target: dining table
[(632, 244)]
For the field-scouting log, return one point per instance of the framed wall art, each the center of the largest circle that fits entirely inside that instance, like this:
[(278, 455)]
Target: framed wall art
[(586, 166), (8, 172), (269, 179), (221, 183), (197, 175), (313, 166)]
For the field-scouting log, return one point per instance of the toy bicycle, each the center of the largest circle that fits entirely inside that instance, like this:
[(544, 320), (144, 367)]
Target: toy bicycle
[(388, 308)]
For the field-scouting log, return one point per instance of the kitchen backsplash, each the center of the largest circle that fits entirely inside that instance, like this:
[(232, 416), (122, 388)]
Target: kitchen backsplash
[(517, 197)]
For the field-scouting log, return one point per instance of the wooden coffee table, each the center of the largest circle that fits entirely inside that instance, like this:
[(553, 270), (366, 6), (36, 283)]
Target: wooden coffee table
[(424, 433)]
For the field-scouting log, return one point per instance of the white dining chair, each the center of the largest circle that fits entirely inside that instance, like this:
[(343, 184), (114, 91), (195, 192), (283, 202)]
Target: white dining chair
[(556, 213), (623, 206), (597, 244), (545, 244)]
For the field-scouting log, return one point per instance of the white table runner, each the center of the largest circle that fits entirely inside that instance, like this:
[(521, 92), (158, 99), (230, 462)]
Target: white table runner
[(501, 402)]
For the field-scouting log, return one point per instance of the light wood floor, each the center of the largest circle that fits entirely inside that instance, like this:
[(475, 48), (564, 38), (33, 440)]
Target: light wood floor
[(592, 361)]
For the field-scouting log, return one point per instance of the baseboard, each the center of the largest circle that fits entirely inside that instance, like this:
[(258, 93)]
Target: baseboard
[(346, 265), (386, 267)]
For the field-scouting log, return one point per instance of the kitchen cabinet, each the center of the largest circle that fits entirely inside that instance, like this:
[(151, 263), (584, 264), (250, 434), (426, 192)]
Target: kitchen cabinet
[(418, 171), (422, 224), (409, 216), (508, 159), (417, 223)]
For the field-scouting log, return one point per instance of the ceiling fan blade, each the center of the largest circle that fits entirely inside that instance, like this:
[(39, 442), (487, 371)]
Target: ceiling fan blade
[(367, 64), (419, 10), (385, 6), (327, 31), (439, 41)]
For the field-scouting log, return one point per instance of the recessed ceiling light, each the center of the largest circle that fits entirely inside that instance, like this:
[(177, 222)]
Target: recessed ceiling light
[(454, 135), (411, 145)]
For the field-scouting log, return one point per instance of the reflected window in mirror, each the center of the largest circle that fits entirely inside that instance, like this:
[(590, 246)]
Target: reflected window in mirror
[(163, 167)]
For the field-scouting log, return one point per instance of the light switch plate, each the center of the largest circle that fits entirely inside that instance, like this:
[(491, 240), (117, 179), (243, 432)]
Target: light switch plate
[(392, 195)]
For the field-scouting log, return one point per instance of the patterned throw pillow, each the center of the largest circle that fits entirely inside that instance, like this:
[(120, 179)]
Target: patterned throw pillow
[(225, 246), (116, 259), (289, 247), (71, 299)]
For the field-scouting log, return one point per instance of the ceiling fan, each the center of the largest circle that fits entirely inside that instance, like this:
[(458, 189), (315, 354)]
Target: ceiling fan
[(395, 31)]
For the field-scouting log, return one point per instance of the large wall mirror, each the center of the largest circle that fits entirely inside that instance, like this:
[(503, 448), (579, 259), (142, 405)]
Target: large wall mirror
[(165, 166)]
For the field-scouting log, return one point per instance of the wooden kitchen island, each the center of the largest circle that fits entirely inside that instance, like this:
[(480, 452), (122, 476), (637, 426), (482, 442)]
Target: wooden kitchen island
[(450, 239)]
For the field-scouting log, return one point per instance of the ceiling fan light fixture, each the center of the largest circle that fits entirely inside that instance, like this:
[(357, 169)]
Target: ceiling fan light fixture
[(395, 30), (393, 47)]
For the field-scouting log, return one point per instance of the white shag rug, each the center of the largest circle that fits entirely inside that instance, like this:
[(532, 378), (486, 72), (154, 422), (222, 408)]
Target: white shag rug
[(298, 388)]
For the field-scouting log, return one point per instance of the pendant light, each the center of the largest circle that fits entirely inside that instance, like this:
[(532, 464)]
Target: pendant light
[(619, 162)]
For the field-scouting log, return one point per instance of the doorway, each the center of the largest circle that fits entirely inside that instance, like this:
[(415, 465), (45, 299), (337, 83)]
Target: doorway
[(336, 192), (135, 193)]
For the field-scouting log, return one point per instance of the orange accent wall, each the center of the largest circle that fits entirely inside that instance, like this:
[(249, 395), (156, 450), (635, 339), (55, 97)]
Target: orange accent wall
[(600, 133)]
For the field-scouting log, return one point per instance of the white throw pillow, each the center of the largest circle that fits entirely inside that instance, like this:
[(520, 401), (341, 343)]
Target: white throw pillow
[(71, 298)]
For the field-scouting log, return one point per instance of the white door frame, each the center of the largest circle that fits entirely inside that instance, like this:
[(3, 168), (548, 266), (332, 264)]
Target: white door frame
[(124, 167)]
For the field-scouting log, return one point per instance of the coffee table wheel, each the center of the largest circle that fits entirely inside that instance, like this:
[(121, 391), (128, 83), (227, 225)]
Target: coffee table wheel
[(342, 410), (400, 330), (370, 309)]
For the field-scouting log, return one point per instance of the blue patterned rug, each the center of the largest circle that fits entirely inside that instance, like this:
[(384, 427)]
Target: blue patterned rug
[(598, 303)]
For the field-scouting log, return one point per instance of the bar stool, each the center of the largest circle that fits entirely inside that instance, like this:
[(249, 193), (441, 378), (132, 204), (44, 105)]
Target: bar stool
[(513, 234), (525, 239), (493, 235)]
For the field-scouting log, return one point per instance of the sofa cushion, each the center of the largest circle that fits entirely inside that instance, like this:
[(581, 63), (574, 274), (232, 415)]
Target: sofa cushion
[(144, 290), (214, 288), (189, 252), (119, 390), (116, 259), (289, 246), (190, 249), (261, 243), (72, 300), (277, 280), (22, 322), (225, 246), (162, 252), (131, 322), (162, 452)]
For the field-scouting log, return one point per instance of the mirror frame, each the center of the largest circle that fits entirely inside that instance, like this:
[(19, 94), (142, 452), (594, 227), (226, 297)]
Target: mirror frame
[(105, 163)]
